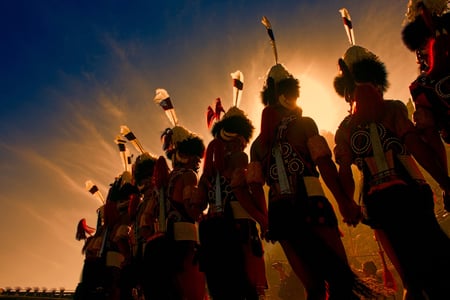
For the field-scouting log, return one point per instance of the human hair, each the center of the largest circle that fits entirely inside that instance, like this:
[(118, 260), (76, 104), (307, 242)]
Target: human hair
[(271, 90)]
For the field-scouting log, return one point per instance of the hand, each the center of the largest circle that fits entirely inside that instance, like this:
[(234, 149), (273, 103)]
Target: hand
[(446, 194), (351, 213), (446, 198), (265, 235)]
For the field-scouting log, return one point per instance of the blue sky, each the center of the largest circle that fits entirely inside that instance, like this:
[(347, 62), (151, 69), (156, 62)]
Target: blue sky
[(74, 71)]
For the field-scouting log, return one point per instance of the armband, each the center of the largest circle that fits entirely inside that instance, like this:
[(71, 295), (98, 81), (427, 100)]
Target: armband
[(254, 173), (318, 147), (313, 186), (185, 231)]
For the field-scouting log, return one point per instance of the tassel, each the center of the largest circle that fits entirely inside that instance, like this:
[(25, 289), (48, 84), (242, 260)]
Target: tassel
[(388, 278), (214, 158), (161, 175)]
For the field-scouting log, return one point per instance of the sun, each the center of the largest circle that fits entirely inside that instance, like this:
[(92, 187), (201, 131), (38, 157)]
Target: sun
[(321, 103)]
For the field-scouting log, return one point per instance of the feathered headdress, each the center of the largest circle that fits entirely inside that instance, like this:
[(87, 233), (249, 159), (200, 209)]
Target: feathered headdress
[(358, 64), (434, 7), (93, 189), (427, 33), (177, 139), (276, 74), (268, 26), (129, 135), (143, 167), (348, 25), (124, 153), (234, 124)]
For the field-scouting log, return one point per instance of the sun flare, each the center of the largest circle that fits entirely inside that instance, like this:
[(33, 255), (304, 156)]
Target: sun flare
[(321, 103)]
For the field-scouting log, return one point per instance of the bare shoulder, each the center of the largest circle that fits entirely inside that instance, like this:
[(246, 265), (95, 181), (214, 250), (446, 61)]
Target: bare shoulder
[(256, 150), (240, 159), (309, 126), (189, 177)]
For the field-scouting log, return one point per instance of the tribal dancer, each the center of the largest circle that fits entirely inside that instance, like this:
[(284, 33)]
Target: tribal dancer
[(378, 138), (118, 247), (92, 282), (289, 150), (150, 245), (185, 150), (426, 33), (231, 250)]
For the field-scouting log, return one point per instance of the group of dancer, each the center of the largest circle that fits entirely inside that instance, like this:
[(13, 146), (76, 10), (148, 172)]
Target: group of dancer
[(173, 233)]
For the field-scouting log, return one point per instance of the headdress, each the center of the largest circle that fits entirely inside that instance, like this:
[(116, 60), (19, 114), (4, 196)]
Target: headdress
[(358, 65), (177, 140), (278, 81), (434, 7), (276, 74), (234, 124), (94, 190), (143, 167), (427, 28)]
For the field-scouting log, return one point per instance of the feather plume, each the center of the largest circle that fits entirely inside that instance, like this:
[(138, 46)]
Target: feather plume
[(83, 230), (93, 189), (124, 153), (348, 25), (209, 116), (238, 85), (212, 114), (163, 99), (129, 135), (268, 26)]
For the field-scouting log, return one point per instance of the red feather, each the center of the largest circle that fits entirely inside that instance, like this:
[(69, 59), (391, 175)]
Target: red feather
[(219, 108), (209, 116), (83, 229)]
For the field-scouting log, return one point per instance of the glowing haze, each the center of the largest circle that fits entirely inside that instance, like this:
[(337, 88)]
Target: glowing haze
[(73, 72)]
